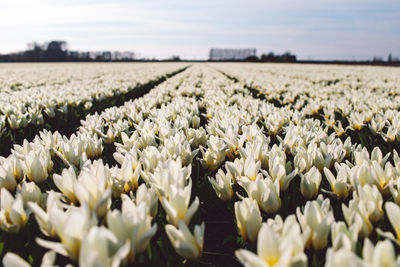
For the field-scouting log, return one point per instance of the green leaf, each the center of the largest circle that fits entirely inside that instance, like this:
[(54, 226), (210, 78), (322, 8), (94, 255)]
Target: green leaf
[(31, 260), (1, 247), (149, 252)]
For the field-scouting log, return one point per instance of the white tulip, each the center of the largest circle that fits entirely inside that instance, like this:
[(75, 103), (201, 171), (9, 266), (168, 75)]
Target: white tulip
[(43, 217), (343, 257), (11, 172), (149, 196), (177, 204), (222, 185), (310, 182), (248, 218), (340, 187), (31, 192), (132, 224), (101, 247), (35, 167), (373, 201), (13, 260), (66, 182), (264, 191), (93, 188), (184, 242), (12, 213), (393, 212), (315, 222), (169, 173), (272, 250), (71, 227), (383, 254)]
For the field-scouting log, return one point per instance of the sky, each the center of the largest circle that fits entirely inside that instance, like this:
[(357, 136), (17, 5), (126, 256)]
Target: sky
[(310, 29)]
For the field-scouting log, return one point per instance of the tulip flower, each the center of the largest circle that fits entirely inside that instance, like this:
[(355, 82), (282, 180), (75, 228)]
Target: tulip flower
[(344, 237), (278, 172), (310, 182), (13, 260), (395, 191), (357, 215), (343, 257), (340, 187), (222, 185), (196, 137), (383, 176), (272, 250), (92, 188), (177, 204), (149, 196), (383, 254), (35, 167), (49, 139), (169, 173), (235, 168), (132, 224), (101, 247), (215, 154), (264, 191), (12, 213), (303, 160), (150, 158), (66, 182), (393, 212), (372, 199), (71, 227), (315, 222), (184, 242), (251, 168), (362, 175), (177, 146), (11, 172), (248, 218), (7, 179), (130, 174), (31, 192), (44, 218)]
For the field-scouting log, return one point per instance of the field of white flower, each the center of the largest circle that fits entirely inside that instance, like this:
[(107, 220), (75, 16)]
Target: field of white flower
[(208, 164)]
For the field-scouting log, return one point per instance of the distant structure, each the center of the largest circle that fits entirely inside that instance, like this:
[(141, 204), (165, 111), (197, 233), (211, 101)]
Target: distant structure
[(285, 57), (217, 54), (56, 51)]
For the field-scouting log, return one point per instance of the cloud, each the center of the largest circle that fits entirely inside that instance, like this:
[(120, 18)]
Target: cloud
[(325, 29)]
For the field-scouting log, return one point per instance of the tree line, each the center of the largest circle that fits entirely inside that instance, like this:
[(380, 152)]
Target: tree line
[(57, 51)]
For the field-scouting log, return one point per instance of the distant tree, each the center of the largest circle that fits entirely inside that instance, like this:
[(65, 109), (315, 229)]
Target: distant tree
[(285, 57), (56, 51), (57, 45), (174, 58), (252, 59), (270, 57), (35, 51), (377, 59), (107, 56)]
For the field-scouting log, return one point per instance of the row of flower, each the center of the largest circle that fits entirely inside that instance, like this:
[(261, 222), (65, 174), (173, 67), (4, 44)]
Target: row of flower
[(148, 175), (85, 187), (56, 96), (359, 99)]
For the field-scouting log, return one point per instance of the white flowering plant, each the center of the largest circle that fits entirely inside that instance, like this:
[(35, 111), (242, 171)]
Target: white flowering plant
[(218, 164)]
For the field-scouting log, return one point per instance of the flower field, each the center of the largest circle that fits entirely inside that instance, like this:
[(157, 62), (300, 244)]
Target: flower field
[(207, 164)]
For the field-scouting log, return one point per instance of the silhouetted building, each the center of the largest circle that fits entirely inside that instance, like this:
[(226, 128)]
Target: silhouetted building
[(231, 54), (285, 57)]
